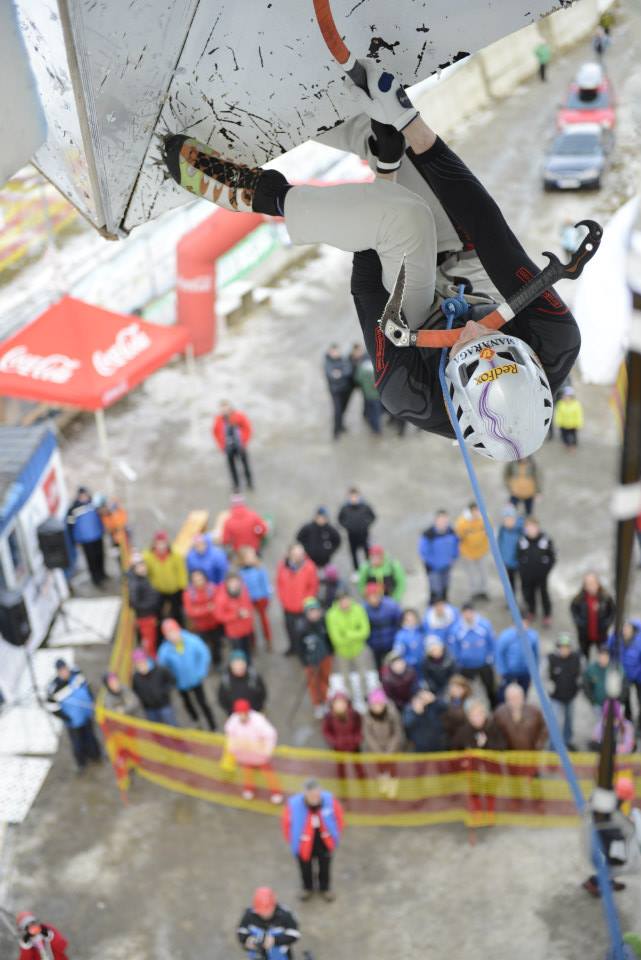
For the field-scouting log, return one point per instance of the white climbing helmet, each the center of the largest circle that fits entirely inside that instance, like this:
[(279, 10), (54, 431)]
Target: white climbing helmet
[(501, 396)]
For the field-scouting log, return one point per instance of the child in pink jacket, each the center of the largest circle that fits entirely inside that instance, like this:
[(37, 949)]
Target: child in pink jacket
[(251, 740)]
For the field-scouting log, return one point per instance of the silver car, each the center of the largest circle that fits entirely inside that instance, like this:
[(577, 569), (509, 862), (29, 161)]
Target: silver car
[(577, 158)]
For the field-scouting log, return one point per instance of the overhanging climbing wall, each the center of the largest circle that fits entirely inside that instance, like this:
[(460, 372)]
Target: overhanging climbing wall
[(252, 77)]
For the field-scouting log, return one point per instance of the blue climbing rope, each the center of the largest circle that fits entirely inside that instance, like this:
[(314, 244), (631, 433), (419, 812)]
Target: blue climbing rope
[(451, 308)]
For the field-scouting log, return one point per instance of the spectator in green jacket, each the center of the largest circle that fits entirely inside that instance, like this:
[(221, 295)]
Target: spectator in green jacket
[(381, 568), (594, 679), (348, 628), (365, 378), (543, 53)]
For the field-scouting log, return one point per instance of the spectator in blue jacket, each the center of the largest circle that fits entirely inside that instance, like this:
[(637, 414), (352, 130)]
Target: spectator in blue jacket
[(208, 558), (409, 641), (256, 579), (440, 620), (71, 699), (384, 615), (86, 529), (510, 661), (438, 549), (423, 722), (472, 646), (508, 540), (630, 656), (188, 658)]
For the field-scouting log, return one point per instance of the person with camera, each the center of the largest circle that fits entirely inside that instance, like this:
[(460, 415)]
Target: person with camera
[(268, 930)]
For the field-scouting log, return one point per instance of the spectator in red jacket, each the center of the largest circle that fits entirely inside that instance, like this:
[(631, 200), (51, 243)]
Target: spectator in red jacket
[(243, 527), (39, 940), (235, 613), (312, 825), (199, 601), (296, 579), (232, 432), (342, 725)]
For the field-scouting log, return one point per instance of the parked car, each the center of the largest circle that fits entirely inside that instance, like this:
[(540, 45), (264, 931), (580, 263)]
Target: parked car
[(590, 103), (576, 158)]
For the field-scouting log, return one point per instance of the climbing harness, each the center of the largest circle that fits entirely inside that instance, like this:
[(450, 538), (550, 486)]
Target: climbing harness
[(396, 330)]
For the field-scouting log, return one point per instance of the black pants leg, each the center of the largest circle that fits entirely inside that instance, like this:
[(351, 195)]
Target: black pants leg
[(291, 622), (78, 746), (529, 596), (185, 696), (306, 874), (324, 861), (95, 555), (90, 744), (201, 699), (244, 459), (357, 543), (175, 603), (513, 576), (231, 463), (214, 640), (338, 405), (486, 674), (545, 597), (546, 325)]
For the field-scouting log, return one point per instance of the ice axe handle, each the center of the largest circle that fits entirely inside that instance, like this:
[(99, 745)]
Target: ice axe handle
[(556, 270), (357, 73)]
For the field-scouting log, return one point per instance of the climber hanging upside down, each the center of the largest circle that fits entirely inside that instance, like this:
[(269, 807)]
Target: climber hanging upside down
[(501, 383)]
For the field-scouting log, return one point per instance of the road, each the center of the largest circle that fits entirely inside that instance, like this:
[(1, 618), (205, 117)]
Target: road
[(168, 876)]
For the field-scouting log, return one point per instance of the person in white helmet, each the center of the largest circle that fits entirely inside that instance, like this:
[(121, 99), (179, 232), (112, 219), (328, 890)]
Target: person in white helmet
[(501, 383)]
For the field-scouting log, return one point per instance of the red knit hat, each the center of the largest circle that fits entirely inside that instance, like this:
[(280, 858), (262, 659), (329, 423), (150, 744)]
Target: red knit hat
[(242, 706), (24, 919)]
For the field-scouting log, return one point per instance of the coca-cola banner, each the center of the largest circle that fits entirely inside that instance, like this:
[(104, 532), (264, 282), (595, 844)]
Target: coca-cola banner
[(81, 355)]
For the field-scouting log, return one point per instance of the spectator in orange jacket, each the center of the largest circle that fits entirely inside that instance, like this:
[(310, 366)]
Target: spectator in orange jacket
[(199, 601), (235, 613), (296, 579), (243, 527), (232, 431)]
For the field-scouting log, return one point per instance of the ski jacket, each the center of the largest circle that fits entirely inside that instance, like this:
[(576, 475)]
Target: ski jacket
[(536, 557), (320, 540), (409, 642), (441, 627), (568, 414), (243, 528), (298, 824), (565, 676), (365, 378), (144, 599), (236, 614), (251, 742), (528, 733), (281, 926), (467, 737), (348, 629), (400, 688), (153, 689), (473, 538), (594, 683), (190, 664), (603, 607), (508, 541), (295, 584), (212, 562), (630, 653), (343, 733), (390, 574), (437, 550), (84, 522), (356, 518), (52, 940), (233, 431), (199, 604), (522, 479), (339, 374), (313, 642), (383, 733), (250, 687), (257, 582), (510, 659), (437, 672), (473, 645), (168, 573), (425, 730), (73, 699), (384, 622)]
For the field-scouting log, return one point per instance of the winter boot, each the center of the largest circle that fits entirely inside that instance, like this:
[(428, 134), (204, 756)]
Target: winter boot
[(234, 186)]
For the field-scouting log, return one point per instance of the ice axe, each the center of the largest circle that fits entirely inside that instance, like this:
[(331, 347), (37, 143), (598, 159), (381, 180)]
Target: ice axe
[(336, 45), (396, 330)]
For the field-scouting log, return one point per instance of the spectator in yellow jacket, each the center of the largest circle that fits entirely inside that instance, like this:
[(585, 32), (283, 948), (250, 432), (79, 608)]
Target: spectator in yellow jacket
[(167, 573), (568, 417), (474, 548)]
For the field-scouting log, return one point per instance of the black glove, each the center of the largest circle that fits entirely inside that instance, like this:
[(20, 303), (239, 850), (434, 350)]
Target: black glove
[(388, 146)]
